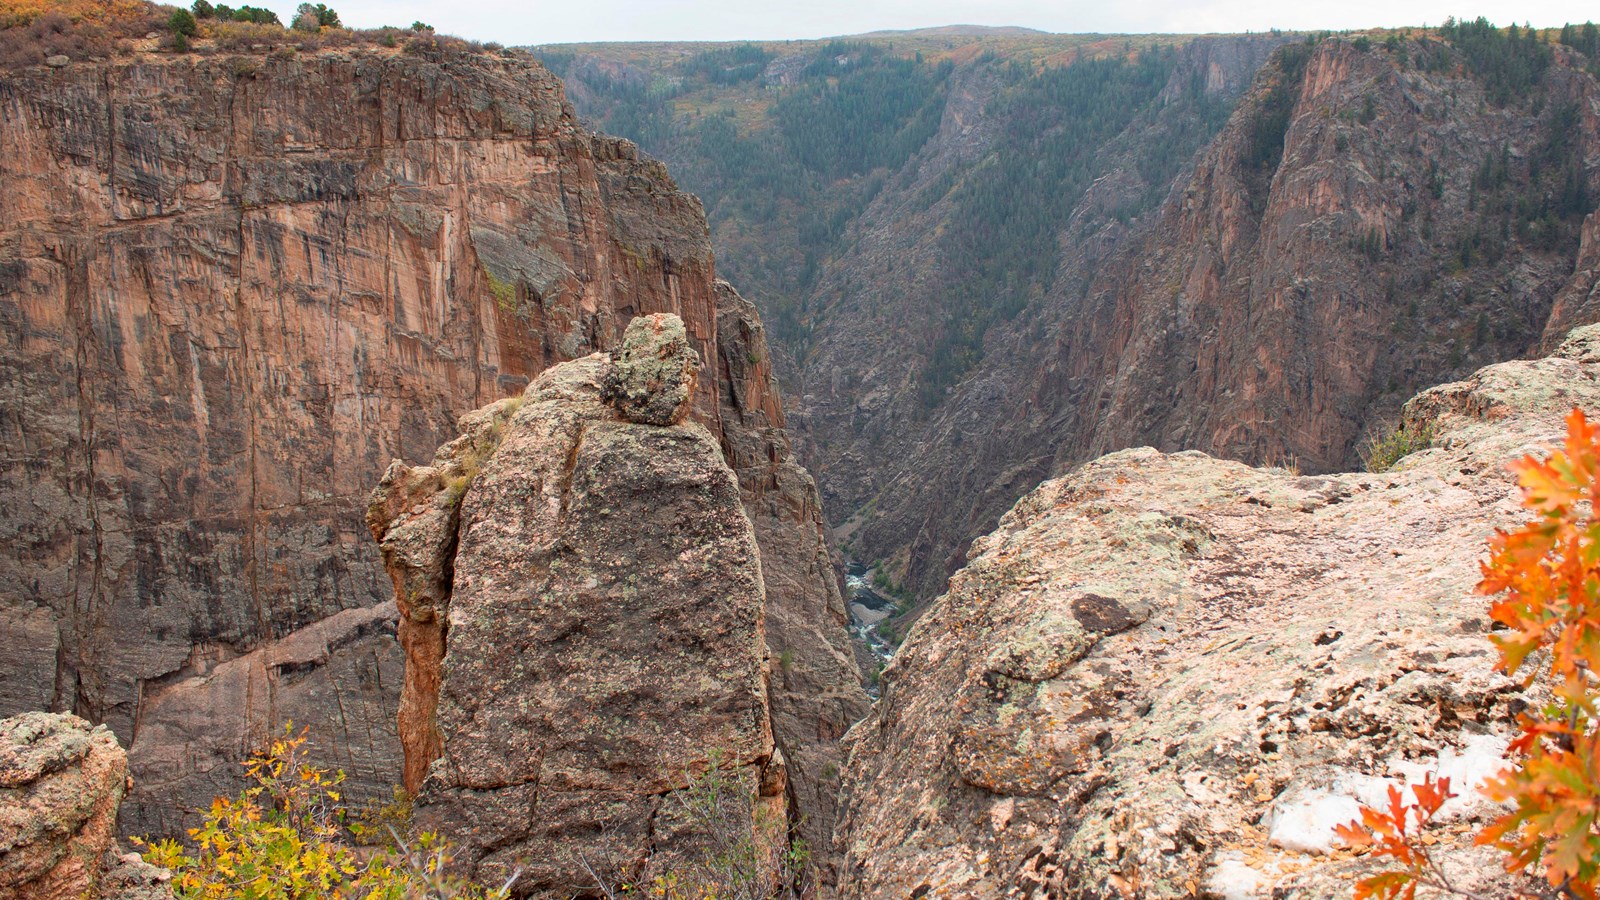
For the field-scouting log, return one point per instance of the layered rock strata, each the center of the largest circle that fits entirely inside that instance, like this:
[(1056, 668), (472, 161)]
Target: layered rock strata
[(1172, 675), (601, 616), (235, 287)]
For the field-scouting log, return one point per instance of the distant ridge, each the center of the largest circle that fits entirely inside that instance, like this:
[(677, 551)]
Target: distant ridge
[(952, 31)]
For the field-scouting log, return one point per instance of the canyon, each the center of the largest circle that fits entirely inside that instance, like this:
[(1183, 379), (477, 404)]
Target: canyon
[(1172, 675), (368, 386), (1278, 241), (235, 287)]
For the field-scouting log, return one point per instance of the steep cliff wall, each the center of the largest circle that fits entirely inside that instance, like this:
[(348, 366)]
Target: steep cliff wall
[(1172, 675), (1373, 219), (234, 288), (816, 692)]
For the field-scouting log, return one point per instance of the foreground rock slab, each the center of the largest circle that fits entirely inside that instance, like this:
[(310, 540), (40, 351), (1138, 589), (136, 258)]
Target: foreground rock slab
[(583, 615), (60, 782), (1171, 675)]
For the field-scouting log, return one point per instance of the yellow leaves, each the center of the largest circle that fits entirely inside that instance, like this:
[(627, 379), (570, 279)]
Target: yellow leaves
[(21, 12), (283, 839)]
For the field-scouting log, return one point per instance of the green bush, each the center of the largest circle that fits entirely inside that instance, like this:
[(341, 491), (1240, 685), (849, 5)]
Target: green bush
[(182, 22), (1383, 450)]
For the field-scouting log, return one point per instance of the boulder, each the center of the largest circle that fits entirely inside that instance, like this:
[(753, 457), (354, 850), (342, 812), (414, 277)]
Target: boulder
[(652, 374), (60, 782)]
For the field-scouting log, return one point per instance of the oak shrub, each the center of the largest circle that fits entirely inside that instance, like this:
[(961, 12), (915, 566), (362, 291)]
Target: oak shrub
[(1545, 578), (287, 837)]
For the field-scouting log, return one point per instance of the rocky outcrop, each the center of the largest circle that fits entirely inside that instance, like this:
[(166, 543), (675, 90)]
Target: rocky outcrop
[(602, 624), (60, 782), (1578, 302), (235, 287), (1171, 675)]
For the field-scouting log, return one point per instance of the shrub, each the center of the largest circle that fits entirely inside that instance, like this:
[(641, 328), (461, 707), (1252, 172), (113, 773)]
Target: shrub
[(31, 31), (241, 36), (1383, 451), (182, 22), (253, 14), (284, 838), (1546, 580), (320, 13), (23, 12)]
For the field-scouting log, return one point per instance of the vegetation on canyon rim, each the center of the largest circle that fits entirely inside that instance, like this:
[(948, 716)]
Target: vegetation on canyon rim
[(286, 837), (1546, 580), (33, 31), (289, 837)]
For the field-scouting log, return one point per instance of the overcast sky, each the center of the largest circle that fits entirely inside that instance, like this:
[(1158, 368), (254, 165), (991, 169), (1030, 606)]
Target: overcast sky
[(564, 21)]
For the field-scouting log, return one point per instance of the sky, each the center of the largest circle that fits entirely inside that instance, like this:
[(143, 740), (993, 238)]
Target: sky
[(569, 21)]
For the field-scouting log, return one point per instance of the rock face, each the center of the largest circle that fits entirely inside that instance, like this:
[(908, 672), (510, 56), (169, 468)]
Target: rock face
[(60, 782), (235, 287), (1171, 675), (603, 638), (1276, 306)]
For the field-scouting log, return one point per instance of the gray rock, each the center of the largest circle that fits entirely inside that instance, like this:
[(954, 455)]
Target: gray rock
[(605, 644), (653, 373), (1170, 675), (58, 61)]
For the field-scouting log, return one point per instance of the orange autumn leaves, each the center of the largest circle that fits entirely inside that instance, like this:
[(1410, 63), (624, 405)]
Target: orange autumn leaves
[(1387, 832), (1547, 577), (1546, 580)]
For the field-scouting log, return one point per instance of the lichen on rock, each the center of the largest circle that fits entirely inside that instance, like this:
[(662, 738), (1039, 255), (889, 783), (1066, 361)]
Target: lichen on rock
[(61, 780), (592, 603), (1171, 675), (652, 375)]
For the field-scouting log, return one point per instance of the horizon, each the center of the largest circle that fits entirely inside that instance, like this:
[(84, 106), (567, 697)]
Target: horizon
[(726, 21)]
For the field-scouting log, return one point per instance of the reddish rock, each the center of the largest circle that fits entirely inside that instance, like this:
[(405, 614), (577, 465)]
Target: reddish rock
[(60, 782), (604, 641), (1274, 309), (235, 287)]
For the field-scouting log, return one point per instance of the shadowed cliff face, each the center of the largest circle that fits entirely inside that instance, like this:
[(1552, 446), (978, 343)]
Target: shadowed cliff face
[(816, 694), (1370, 221), (234, 289)]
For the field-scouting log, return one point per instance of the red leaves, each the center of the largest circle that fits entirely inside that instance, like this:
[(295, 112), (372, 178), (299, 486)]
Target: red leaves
[(1386, 833), (1547, 578)]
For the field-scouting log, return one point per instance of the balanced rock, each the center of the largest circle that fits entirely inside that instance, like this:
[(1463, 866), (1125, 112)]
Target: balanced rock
[(652, 374), (1171, 675), (584, 616), (60, 782)]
